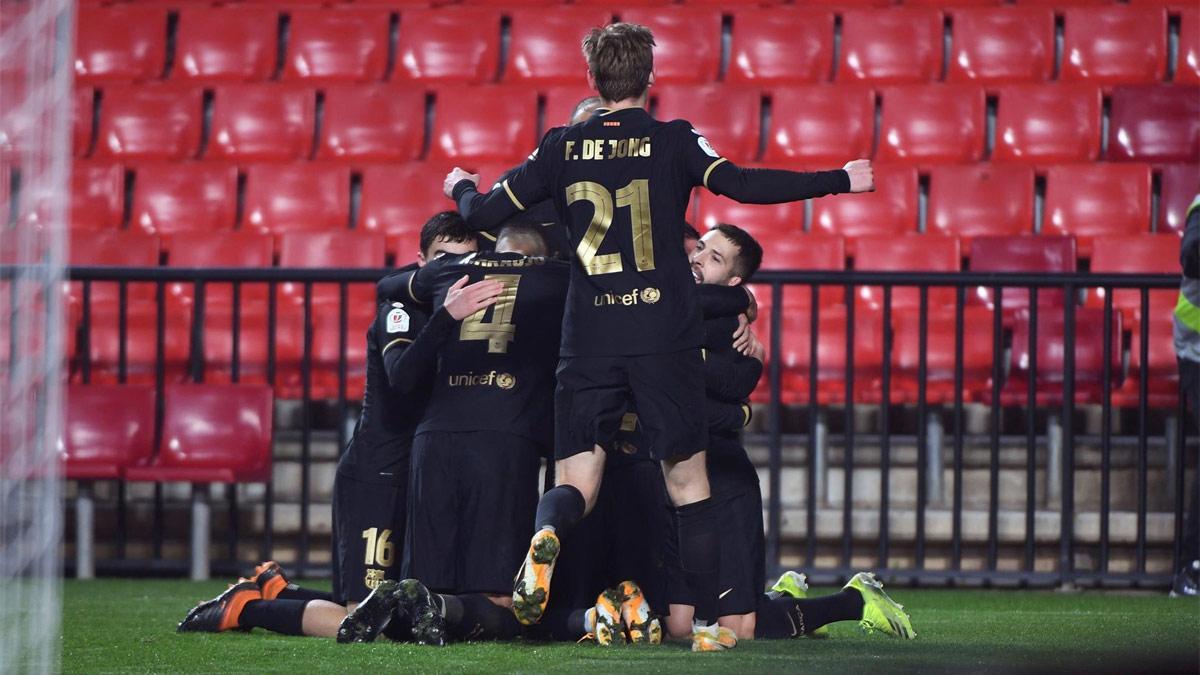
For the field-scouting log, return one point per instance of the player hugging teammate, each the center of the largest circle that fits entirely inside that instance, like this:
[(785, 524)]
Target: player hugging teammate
[(618, 330)]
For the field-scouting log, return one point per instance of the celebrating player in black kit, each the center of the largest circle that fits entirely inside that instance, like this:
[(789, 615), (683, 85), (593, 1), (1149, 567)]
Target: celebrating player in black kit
[(621, 183), (474, 482), (370, 484)]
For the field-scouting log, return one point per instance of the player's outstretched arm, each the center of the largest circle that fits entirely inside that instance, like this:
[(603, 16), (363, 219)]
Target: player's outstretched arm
[(774, 186)]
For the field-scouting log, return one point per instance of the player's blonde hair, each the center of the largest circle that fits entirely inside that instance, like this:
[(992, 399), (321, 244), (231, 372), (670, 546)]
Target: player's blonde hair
[(620, 57)]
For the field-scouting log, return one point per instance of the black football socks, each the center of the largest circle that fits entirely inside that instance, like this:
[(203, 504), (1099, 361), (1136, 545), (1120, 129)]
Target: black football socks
[(785, 617), (699, 556), (294, 592), (475, 617), (279, 616), (560, 508)]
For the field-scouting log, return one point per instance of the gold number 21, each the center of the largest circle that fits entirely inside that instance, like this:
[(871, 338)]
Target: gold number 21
[(635, 195)]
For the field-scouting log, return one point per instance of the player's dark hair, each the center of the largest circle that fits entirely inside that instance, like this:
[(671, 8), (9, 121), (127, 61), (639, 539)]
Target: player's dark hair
[(620, 57), (589, 103), (526, 236), (750, 252), (690, 232), (447, 225)]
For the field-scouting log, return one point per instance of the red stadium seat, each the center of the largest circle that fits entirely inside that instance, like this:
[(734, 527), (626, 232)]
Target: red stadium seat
[(1048, 123), (1187, 68), (372, 123), (225, 44), (726, 115), (933, 123), (1002, 44), (895, 46), (126, 42), (831, 355), (465, 124), (401, 213), (1114, 45), (1021, 254), (1180, 184), (781, 45), (225, 249), (97, 192), (449, 45), (891, 209), (325, 249), (821, 123), (976, 199), (544, 47), (687, 42), (103, 346), (1141, 253), (798, 251), (82, 112), (759, 219), (907, 253), (107, 429), (342, 45), (1162, 369), (291, 197), (1097, 200), (213, 433), (171, 198), (150, 122), (1155, 123), (561, 102), (1051, 355), (904, 387), (261, 122)]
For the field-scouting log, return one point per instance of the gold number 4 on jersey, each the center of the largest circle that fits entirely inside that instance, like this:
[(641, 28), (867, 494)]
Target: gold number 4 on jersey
[(500, 330)]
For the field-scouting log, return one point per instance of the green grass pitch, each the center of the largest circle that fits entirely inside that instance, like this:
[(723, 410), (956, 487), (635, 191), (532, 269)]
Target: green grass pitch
[(128, 626)]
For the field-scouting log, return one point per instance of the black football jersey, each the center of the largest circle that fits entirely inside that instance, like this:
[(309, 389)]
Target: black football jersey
[(495, 372), (621, 183), (380, 448)]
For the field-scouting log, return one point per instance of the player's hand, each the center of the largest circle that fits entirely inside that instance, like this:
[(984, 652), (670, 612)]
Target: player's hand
[(741, 334), (454, 177), (862, 175), (463, 300), (754, 348), (752, 310)]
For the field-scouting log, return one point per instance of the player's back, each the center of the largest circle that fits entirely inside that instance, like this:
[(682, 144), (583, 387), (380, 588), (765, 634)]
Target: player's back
[(496, 373), (621, 184)]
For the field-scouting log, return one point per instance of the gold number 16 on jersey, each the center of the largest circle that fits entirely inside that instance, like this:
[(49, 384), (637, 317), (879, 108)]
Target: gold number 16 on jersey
[(635, 195)]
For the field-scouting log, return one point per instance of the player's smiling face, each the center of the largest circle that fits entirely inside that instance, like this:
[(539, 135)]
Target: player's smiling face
[(712, 261)]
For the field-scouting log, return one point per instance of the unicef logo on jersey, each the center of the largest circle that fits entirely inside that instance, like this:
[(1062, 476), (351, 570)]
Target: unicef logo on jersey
[(490, 379), (651, 295)]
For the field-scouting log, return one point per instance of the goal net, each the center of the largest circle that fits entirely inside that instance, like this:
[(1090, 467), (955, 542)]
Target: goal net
[(35, 127)]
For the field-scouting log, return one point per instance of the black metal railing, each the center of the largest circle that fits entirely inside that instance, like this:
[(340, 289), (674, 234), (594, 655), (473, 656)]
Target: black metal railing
[(846, 546)]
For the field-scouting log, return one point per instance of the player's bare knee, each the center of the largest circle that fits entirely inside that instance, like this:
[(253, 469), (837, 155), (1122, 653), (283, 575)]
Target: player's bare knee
[(687, 479), (500, 600), (583, 472)]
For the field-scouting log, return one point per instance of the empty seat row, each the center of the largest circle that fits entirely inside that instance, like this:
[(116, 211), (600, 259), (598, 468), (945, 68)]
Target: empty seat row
[(1155, 254), (1086, 200), (1109, 45), (97, 320), (920, 123)]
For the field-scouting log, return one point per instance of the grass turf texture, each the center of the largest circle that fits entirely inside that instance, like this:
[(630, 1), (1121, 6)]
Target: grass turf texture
[(122, 625)]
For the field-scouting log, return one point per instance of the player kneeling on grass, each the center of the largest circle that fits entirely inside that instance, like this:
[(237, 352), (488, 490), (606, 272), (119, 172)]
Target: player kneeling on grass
[(370, 485)]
